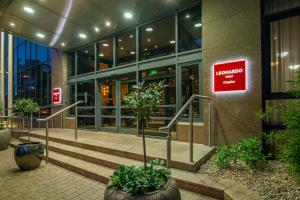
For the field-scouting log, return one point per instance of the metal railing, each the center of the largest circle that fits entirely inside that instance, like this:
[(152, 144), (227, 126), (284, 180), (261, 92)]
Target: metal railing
[(47, 119), (188, 104)]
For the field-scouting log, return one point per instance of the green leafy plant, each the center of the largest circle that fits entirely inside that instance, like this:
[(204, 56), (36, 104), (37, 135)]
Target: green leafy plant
[(143, 101), (136, 180), (248, 150), (24, 108)]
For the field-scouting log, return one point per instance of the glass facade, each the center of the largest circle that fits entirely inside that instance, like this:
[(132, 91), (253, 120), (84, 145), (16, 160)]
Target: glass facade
[(32, 71), (150, 52)]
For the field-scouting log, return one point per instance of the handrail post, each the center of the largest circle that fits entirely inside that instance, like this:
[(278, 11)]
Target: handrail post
[(22, 124), (61, 118), (209, 124), (31, 118), (76, 115), (47, 141), (11, 124), (191, 131), (52, 120), (169, 149), (39, 118)]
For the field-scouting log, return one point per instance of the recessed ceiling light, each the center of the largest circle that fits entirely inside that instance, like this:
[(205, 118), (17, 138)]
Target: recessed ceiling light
[(82, 35), (107, 23), (28, 9), (63, 44), (187, 16), (132, 52), (149, 29), (101, 54), (155, 46), (172, 42), (121, 48), (12, 24), (131, 36), (197, 25), (128, 15), (120, 40), (40, 35), (105, 45), (148, 40), (96, 29)]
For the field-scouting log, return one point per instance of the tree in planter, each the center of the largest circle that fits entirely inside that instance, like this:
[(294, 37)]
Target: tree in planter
[(24, 108), (143, 101)]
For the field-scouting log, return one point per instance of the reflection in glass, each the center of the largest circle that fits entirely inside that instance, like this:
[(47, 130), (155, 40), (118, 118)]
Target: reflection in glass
[(190, 29), (105, 53), (158, 39), (125, 45), (285, 53), (108, 103), (86, 60)]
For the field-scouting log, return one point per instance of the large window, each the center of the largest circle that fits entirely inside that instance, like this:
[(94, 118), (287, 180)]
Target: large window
[(86, 60), (190, 29), (32, 71), (105, 53), (158, 39), (125, 45), (71, 64), (285, 53)]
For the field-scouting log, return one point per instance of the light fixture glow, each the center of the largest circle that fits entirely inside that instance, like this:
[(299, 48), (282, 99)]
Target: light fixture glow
[(149, 29), (131, 36), (294, 67), (172, 42), (155, 46), (107, 23), (82, 35), (282, 54), (132, 52), (86, 51), (187, 16), (105, 45), (101, 54), (121, 48), (197, 25), (96, 29), (148, 40), (146, 49), (12, 24), (40, 35), (120, 40), (28, 9), (128, 15), (63, 44)]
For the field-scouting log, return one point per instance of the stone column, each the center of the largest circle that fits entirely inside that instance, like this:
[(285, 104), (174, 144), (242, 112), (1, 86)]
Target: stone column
[(2, 70)]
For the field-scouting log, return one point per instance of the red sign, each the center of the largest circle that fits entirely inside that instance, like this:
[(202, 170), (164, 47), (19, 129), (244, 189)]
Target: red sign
[(230, 76), (56, 95)]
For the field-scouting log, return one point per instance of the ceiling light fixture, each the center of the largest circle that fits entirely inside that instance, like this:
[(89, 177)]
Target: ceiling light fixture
[(172, 42), (63, 44), (12, 24), (40, 35), (155, 46), (187, 16), (107, 23), (128, 15), (149, 29), (131, 36), (120, 40), (294, 67), (86, 51), (132, 52), (101, 54), (121, 48), (148, 40), (197, 25), (96, 29), (105, 45), (82, 35), (28, 9)]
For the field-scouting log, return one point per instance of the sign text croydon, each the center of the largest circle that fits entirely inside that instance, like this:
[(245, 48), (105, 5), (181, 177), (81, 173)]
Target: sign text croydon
[(230, 76)]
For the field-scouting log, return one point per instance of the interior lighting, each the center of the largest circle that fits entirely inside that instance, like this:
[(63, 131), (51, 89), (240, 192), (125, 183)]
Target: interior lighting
[(96, 29), (172, 42), (28, 9), (128, 15), (82, 35), (105, 44), (12, 24), (63, 44), (107, 23), (40, 35), (294, 67), (197, 25), (149, 29)]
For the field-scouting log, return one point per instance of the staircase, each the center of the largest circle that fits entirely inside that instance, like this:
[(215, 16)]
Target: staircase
[(98, 163)]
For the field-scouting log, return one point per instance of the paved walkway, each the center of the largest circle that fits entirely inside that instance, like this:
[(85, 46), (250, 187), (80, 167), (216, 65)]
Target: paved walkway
[(50, 182), (130, 143)]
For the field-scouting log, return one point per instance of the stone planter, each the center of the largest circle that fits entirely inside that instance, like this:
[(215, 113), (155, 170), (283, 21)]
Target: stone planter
[(29, 155), (169, 192), (5, 136)]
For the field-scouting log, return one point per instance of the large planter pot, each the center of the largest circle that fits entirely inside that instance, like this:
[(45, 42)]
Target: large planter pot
[(29, 155), (5, 136), (169, 192)]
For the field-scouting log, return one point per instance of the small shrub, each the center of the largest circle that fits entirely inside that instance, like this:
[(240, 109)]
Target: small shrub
[(136, 180), (222, 157), (251, 151)]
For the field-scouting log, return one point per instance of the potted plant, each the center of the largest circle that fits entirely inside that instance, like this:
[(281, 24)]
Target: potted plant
[(146, 182), (5, 134), (27, 155)]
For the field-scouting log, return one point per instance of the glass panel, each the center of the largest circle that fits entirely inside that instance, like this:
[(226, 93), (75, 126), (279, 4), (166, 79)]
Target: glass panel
[(190, 86), (285, 53), (128, 123), (190, 29), (86, 60), (108, 122), (274, 6), (72, 64), (125, 45), (168, 107), (105, 54), (72, 98), (158, 39), (85, 122), (42, 53), (85, 93), (108, 103)]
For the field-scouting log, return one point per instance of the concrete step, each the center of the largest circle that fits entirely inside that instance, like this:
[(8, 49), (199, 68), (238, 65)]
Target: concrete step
[(96, 171), (190, 181)]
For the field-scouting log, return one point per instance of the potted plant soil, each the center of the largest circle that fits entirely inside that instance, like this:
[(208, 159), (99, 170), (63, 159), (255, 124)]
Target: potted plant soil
[(5, 135), (144, 182), (27, 155)]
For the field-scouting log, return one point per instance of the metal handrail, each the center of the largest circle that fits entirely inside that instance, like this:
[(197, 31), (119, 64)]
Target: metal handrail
[(46, 120), (189, 104)]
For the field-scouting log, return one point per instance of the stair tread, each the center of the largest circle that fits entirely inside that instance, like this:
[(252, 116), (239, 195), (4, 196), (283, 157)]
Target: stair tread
[(176, 173), (107, 172)]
